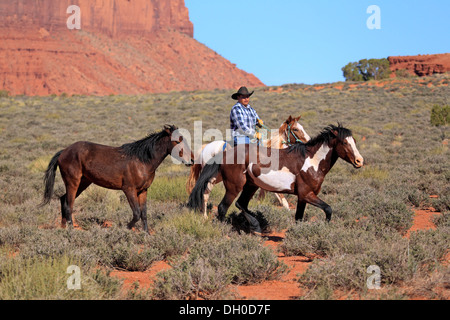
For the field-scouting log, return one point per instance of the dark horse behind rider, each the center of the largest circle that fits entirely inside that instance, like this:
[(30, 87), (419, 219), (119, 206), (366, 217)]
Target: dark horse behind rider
[(300, 170), (130, 168)]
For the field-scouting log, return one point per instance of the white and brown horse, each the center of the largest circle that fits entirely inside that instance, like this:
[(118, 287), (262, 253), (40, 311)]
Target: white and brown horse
[(299, 170), (289, 133)]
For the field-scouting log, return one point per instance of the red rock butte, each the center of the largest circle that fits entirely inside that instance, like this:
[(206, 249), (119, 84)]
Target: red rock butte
[(123, 47), (421, 65)]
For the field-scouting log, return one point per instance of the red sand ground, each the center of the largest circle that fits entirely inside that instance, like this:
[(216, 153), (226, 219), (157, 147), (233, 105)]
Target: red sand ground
[(286, 288)]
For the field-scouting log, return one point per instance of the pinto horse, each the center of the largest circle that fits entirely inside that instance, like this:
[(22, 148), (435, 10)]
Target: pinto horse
[(300, 170), (290, 132), (130, 168)]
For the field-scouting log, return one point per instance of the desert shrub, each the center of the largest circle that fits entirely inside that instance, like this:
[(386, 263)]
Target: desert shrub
[(442, 203), (390, 214), (133, 258), (350, 252), (175, 234), (170, 242), (246, 260), (307, 239), (168, 189), (440, 115), (349, 271), (192, 281), (443, 220), (338, 237), (212, 265), (402, 73), (428, 247), (114, 248), (277, 219), (46, 278), (195, 225), (87, 219)]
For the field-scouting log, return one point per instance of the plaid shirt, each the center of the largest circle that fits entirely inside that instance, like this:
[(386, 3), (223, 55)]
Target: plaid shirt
[(243, 120)]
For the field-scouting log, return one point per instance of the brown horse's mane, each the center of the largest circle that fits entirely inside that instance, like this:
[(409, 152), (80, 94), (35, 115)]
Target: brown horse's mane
[(144, 150), (324, 136)]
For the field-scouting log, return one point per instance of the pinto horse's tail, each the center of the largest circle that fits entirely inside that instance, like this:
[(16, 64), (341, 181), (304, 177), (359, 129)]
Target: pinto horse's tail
[(49, 178), (210, 170), (193, 176)]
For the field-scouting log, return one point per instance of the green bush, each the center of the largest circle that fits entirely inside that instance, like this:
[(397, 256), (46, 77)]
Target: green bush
[(365, 70), (440, 115)]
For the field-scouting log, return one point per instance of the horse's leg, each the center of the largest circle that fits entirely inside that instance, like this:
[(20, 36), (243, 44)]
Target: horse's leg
[(247, 194), (226, 202), (242, 204), (142, 197), (262, 195), (133, 200), (311, 198), (300, 210), (68, 201), (67, 207), (72, 177), (84, 184), (233, 187), (283, 201), (64, 210), (206, 197)]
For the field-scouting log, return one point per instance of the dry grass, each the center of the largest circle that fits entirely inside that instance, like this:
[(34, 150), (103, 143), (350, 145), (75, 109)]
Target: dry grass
[(406, 161)]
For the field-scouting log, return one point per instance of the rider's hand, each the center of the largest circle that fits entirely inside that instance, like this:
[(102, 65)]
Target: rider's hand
[(260, 122), (258, 135)]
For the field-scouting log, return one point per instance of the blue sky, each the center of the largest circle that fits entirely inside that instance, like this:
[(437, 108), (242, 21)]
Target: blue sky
[(297, 41)]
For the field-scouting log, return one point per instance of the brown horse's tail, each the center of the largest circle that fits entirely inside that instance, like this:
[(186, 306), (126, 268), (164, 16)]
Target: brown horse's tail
[(193, 176), (49, 179)]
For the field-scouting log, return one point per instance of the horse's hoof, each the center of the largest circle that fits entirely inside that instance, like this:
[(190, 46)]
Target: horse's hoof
[(257, 232)]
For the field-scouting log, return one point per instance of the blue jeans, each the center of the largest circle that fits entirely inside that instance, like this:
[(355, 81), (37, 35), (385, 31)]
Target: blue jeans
[(242, 140)]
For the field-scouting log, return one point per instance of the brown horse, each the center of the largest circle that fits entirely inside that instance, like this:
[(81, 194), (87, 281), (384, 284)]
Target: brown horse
[(299, 170), (130, 168), (290, 132)]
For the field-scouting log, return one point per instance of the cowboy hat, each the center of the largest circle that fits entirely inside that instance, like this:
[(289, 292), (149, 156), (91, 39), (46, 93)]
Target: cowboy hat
[(242, 91)]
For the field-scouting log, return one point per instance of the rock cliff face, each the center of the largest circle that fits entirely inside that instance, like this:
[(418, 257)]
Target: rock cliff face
[(421, 65), (112, 17), (123, 47)]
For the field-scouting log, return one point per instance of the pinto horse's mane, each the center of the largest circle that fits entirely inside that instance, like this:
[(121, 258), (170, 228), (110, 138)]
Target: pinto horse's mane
[(324, 136), (144, 149)]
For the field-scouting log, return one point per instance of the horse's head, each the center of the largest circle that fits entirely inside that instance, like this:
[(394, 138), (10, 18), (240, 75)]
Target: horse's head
[(292, 131), (346, 146), (178, 146)]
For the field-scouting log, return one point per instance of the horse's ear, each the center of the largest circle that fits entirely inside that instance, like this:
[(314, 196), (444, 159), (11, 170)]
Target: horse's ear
[(289, 120), (169, 129), (298, 118)]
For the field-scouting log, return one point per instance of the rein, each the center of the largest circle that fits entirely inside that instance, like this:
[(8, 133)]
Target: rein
[(288, 130), (258, 127), (288, 142)]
